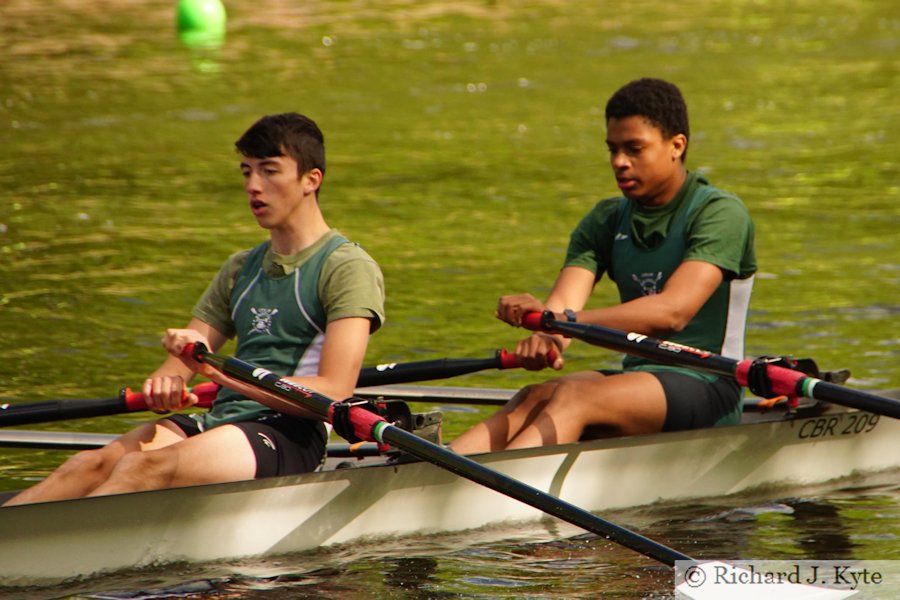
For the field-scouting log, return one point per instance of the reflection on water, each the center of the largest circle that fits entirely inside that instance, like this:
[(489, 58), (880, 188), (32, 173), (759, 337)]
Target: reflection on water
[(832, 523)]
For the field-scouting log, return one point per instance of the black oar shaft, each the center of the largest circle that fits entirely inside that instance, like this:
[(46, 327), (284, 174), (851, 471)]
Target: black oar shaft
[(643, 346), (443, 368), (508, 486), (858, 399), (389, 374), (785, 381), (58, 410), (371, 426)]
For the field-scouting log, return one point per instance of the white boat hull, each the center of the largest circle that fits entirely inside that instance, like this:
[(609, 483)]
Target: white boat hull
[(52, 541)]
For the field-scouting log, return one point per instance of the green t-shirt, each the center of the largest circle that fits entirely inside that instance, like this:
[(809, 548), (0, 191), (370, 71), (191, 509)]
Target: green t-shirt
[(640, 247), (721, 232)]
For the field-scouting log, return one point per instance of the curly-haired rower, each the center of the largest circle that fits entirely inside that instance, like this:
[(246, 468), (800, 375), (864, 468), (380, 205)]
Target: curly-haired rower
[(681, 253)]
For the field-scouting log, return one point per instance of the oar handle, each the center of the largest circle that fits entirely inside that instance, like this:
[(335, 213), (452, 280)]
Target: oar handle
[(535, 320), (206, 394), (509, 360)]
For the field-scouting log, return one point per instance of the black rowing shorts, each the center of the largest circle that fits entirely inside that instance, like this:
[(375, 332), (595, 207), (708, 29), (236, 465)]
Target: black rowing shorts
[(692, 403), (282, 445)]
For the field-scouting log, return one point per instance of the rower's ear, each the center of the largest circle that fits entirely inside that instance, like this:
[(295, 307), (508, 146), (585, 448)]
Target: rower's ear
[(312, 180), (679, 146)]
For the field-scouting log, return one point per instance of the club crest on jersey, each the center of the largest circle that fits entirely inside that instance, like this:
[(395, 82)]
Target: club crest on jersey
[(648, 282), (262, 320)]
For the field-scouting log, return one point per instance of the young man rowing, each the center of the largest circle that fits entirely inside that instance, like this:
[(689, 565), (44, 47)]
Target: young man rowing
[(302, 304), (682, 255)]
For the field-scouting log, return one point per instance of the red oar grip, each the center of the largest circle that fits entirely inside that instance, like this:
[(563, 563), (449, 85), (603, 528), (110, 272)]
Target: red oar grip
[(133, 400), (551, 357), (514, 361), (532, 321), (507, 360), (206, 394)]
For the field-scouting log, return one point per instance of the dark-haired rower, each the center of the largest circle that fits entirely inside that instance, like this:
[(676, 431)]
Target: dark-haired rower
[(302, 304), (681, 253)]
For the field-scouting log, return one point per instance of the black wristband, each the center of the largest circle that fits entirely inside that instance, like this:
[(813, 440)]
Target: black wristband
[(570, 315)]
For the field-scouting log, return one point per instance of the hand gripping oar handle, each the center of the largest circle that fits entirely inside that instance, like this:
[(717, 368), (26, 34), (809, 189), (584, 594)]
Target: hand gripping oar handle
[(443, 368), (372, 427), (205, 392), (30, 413), (783, 381)]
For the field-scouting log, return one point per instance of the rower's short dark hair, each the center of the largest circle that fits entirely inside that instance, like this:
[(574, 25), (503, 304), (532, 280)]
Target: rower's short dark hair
[(286, 134), (658, 101)]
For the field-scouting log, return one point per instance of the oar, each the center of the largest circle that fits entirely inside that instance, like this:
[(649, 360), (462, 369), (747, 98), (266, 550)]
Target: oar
[(371, 427), (58, 410), (443, 368), (784, 381), (129, 401), (66, 440)]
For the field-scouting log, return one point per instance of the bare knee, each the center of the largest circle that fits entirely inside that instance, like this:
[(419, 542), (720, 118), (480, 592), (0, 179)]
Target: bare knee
[(608, 406), (77, 476), (87, 463), (155, 462), (567, 397), (579, 404), (531, 396), (140, 471)]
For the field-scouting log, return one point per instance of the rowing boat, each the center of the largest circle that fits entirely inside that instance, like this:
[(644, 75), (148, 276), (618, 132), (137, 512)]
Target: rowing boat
[(350, 499)]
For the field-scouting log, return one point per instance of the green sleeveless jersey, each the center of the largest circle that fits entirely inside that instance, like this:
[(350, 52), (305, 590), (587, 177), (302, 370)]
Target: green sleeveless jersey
[(280, 318)]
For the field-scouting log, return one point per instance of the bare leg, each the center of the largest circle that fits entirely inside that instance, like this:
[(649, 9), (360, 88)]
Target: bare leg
[(218, 455), (85, 471), (496, 432), (630, 404)]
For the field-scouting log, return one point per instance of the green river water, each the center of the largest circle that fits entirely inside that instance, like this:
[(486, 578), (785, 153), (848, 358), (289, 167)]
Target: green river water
[(465, 139)]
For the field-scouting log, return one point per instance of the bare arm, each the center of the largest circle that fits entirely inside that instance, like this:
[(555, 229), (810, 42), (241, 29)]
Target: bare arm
[(684, 294), (345, 346), (571, 290)]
